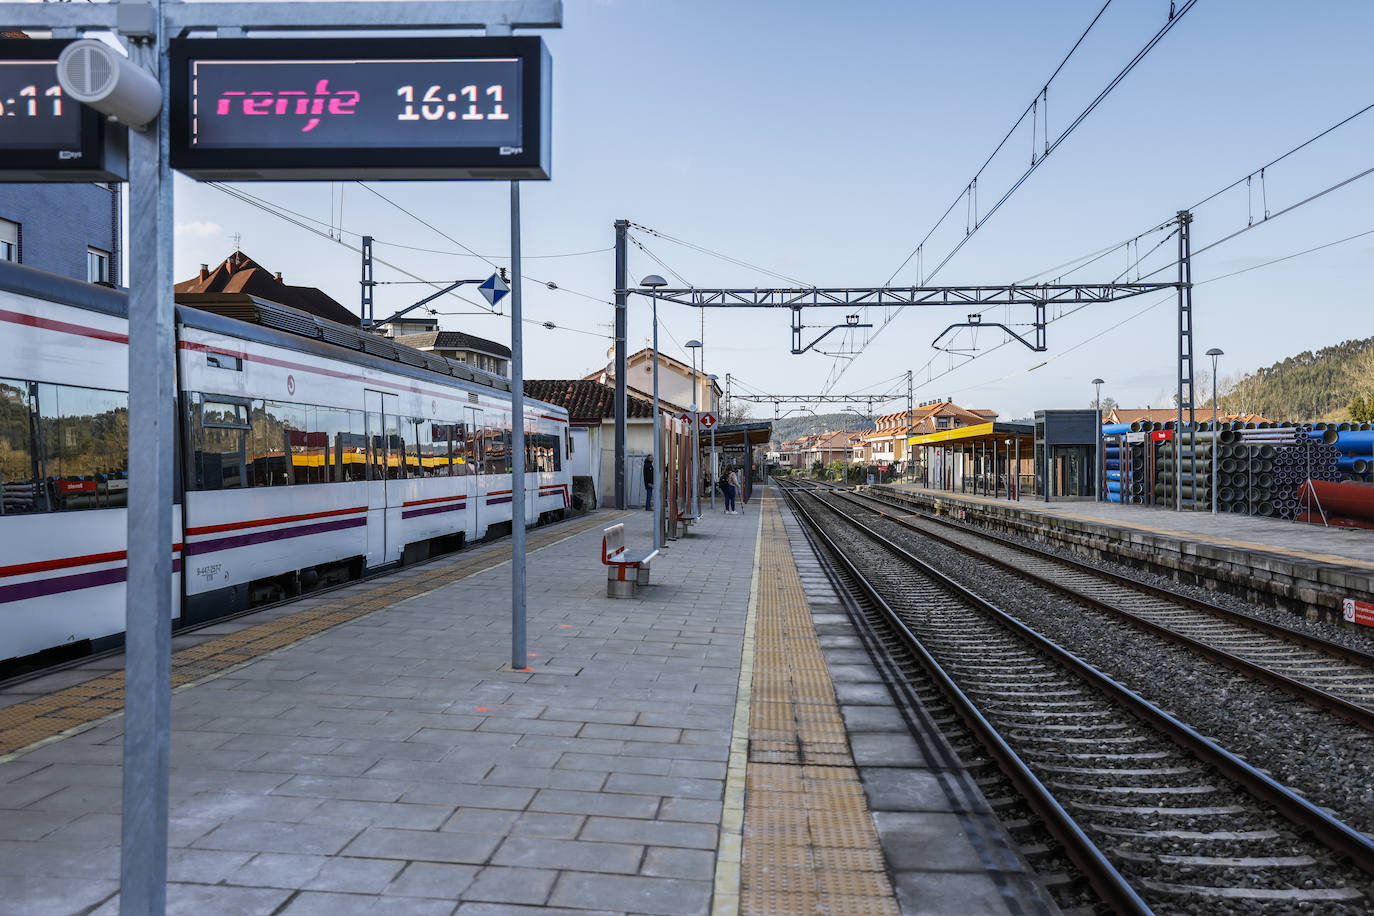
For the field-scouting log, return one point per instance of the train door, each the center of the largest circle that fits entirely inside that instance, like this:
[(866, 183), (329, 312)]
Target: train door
[(476, 516), (386, 460)]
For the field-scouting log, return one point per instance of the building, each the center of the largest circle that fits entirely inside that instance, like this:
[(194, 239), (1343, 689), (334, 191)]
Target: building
[(240, 276), (1170, 415), (406, 325), (72, 229), (591, 414), (886, 444), (674, 381), (476, 352)]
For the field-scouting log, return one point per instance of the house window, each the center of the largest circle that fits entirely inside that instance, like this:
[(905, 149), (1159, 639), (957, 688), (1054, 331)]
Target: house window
[(9, 240), (97, 266)]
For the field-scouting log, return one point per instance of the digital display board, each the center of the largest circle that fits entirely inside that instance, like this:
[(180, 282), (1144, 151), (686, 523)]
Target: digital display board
[(327, 109), (45, 136)]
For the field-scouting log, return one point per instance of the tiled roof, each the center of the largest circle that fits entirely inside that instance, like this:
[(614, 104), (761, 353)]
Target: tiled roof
[(239, 273), (453, 340), (586, 401)]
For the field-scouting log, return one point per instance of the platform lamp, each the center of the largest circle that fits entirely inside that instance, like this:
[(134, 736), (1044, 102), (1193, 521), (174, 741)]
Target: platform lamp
[(715, 465), (1100, 459), (1214, 353), (654, 283), (695, 347)]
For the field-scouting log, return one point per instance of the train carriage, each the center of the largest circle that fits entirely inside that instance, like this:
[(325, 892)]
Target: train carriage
[(309, 453)]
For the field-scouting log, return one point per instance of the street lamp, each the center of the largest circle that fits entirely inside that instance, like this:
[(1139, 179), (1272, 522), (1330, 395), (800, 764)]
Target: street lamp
[(1100, 458), (654, 282), (1214, 353), (694, 346), (715, 466)]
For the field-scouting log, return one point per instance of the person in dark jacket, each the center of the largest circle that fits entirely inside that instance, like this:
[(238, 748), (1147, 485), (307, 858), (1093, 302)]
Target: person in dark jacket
[(648, 482)]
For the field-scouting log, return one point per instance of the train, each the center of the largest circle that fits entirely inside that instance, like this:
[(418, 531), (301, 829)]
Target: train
[(309, 453)]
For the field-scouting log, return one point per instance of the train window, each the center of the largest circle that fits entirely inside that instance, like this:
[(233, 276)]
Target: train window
[(19, 474), (395, 446), (224, 414), (83, 446), (433, 441), (346, 446), (223, 361), (269, 443), (496, 443), (472, 449)]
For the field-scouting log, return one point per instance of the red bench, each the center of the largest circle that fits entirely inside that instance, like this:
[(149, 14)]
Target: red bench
[(621, 582)]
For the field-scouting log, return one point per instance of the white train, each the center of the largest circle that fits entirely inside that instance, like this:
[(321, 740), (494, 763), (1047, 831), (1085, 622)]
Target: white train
[(309, 453)]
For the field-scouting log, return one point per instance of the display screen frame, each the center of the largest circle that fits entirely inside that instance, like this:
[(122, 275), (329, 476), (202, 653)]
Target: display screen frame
[(269, 162), (94, 159)]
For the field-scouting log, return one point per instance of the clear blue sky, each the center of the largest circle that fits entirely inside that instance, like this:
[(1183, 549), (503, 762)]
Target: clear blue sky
[(822, 140)]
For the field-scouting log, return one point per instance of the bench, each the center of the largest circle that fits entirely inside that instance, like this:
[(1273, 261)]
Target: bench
[(620, 583), (687, 519)]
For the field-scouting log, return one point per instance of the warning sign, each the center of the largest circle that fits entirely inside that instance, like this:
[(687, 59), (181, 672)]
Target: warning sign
[(1358, 611)]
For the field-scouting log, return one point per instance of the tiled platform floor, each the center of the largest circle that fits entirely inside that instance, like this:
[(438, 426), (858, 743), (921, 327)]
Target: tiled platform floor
[(395, 764)]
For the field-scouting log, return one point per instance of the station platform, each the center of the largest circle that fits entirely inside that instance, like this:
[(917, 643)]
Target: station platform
[(1305, 568), (370, 750)]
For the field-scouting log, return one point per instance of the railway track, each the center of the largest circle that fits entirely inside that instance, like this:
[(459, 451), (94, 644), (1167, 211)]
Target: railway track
[(1158, 817), (1324, 673)]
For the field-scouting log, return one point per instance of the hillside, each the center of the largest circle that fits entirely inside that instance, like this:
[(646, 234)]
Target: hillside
[(798, 425), (1308, 386)]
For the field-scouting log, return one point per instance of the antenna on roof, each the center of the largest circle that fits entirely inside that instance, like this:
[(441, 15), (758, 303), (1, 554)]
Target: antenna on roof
[(237, 238)]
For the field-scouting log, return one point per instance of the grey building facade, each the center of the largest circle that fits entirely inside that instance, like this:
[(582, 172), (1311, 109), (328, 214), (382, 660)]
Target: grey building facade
[(68, 229)]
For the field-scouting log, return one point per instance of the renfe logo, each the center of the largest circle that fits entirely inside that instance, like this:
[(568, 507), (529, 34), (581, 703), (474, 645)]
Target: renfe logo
[(291, 102)]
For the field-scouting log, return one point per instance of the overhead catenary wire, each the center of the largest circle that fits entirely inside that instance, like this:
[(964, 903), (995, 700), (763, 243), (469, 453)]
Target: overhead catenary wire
[(416, 278), (1176, 15), (1134, 315)]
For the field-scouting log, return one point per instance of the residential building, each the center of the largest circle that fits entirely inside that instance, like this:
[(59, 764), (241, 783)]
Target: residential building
[(476, 352), (406, 325), (886, 444), (674, 381), (72, 229), (239, 276)]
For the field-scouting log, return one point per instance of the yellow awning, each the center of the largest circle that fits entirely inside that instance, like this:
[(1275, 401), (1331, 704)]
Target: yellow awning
[(952, 435)]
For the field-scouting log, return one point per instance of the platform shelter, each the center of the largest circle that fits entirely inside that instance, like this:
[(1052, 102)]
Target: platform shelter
[(990, 459)]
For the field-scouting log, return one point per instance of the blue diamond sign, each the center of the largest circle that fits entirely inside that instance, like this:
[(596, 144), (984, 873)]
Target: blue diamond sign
[(494, 289)]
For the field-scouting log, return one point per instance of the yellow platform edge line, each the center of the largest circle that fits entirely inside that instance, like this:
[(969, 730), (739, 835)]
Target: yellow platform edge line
[(725, 897)]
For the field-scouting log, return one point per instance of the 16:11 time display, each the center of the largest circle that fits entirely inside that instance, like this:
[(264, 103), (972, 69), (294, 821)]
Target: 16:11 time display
[(27, 102), (432, 104)]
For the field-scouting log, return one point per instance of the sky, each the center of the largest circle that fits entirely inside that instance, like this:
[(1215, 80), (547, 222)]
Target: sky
[(822, 142)]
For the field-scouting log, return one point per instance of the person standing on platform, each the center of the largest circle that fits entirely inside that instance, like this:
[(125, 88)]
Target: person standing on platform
[(648, 482), (731, 485)]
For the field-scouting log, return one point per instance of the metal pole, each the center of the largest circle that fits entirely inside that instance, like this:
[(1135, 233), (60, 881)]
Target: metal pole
[(518, 659), (715, 468), (658, 468), (148, 608), (696, 436), (1214, 435), (1016, 475), (621, 369)]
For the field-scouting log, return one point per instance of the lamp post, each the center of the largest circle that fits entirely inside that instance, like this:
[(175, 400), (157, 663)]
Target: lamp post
[(715, 466), (655, 282), (1214, 353), (1099, 458), (694, 346)]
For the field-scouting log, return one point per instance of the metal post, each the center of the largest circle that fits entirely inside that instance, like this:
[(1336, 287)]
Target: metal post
[(658, 468), (367, 284), (1185, 352), (621, 369), (1016, 475), (518, 659), (696, 438), (148, 608), (910, 410), (715, 468)]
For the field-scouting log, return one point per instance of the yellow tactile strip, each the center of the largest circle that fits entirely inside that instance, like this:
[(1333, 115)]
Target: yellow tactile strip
[(809, 841), (31, 721)]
